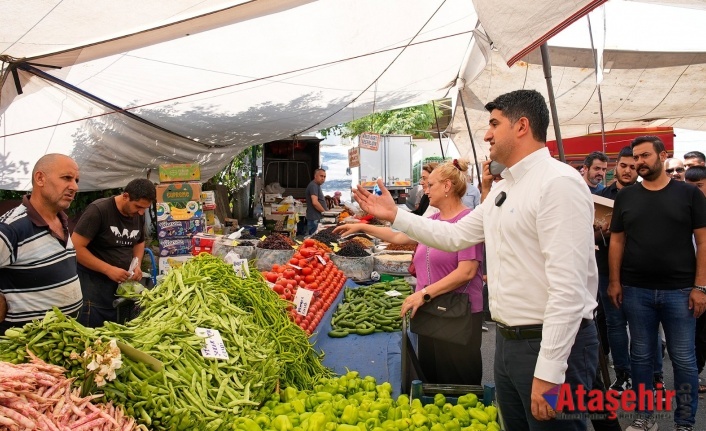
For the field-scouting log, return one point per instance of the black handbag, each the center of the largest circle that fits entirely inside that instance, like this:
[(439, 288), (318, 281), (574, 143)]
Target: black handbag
[(445, 318)]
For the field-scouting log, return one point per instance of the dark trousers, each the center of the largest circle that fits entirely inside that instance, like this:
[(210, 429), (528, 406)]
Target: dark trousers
[(448, 363), (701, 342), (515, 361)]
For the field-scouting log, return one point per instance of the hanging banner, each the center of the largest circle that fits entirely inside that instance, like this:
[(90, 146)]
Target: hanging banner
[(369, 141), (353, 158)]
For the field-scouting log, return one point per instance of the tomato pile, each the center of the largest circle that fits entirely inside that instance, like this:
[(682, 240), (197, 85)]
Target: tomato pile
[(310, 268)]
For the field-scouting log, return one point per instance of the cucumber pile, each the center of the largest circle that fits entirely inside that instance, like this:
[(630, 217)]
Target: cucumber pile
[(369, 309)]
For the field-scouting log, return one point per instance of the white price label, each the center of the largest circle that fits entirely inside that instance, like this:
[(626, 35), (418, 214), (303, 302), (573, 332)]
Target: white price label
[(295, 266), (321, 259), (302, 300), (241, 268), (392, 292), (214, 344)]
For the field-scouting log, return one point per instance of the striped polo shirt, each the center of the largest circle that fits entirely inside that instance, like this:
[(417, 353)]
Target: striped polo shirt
[(37, 269)]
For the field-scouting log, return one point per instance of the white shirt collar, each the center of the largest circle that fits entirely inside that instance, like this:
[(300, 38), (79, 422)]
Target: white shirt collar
[(519, 169)]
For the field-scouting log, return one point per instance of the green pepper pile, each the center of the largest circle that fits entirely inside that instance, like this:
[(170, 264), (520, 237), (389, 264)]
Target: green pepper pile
[(352, 403), (369, 309)]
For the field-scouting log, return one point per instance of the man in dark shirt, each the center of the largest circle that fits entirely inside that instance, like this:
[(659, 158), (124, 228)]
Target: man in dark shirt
[(652, 287), (107, 237), (315, 201), (594, 169), (625, 175)]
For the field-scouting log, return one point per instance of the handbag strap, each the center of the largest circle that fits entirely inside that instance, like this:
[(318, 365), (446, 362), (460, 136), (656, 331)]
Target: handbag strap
[(429, 271)]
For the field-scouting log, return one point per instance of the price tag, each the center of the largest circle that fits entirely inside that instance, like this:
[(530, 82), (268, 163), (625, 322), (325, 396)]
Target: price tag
[(295, 266), (392, 292), (302, 300), (321, 259), (214, 348), (241, 268)]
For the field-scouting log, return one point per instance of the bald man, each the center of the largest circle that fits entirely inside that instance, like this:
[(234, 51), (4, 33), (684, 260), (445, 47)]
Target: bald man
[(37, 258), (675, 169)]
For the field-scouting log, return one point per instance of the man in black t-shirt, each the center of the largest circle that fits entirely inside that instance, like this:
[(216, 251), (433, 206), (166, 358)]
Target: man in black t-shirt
[(653, 286), (107, 237)]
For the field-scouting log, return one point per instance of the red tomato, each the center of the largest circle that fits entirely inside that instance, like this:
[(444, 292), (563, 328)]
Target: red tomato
[(309, 278), (298, 319), (302, 283), (294, 261), (297, 256), (309, 242), (307, 270), (272, 277), (278, 288), (289, 273)]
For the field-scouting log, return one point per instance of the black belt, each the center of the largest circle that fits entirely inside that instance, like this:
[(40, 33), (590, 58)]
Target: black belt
[(529, 332)]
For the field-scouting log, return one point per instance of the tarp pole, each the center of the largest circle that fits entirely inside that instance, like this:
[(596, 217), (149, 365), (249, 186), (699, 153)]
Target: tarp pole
[(438, 132), (547, 66), (253, 178), (470, 135), (598, 85)]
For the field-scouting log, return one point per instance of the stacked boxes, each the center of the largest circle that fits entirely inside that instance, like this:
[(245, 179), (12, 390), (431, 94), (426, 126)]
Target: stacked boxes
[(180, 213)]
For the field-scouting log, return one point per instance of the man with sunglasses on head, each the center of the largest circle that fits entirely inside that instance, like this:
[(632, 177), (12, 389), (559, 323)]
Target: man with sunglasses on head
[(675, 169)]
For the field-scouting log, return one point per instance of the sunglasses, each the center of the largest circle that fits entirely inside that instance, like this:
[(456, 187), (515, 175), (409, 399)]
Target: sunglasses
[(671, 170)]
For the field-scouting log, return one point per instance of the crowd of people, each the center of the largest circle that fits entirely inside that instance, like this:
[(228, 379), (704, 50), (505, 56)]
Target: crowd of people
[(549, 262)]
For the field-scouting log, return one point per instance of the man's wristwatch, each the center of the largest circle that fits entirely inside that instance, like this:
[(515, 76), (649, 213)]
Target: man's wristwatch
[(427, 298), (701, 289)]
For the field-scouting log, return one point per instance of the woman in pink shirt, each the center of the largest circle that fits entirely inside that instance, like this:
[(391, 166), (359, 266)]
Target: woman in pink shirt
[(439, 272)]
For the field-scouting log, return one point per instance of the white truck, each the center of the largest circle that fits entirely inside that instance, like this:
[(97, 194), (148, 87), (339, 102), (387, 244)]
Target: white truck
[(392, 161)]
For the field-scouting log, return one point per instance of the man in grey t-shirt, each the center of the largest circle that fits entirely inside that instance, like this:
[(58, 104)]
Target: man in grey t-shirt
[(315, 202)]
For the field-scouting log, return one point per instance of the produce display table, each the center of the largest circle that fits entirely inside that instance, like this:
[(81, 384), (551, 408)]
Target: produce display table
[(377, 355)]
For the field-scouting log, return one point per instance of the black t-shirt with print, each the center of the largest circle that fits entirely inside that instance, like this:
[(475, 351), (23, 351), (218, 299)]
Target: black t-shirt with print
[(112, 235)]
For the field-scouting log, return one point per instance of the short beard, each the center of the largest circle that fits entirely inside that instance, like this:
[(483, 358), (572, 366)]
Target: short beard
[(655, 172)]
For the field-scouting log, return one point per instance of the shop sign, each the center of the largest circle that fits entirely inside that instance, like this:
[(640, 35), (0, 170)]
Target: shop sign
[(369, 141), (354, 157)]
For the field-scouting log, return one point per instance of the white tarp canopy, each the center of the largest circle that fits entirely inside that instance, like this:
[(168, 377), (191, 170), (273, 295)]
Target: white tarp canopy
[(125, 86), (148, 82), (654, 65)]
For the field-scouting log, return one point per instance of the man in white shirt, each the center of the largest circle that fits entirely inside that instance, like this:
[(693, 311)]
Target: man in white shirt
[(538, 228)]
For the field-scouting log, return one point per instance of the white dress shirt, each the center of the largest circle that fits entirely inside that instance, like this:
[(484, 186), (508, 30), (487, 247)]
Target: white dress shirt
[(540, 251)]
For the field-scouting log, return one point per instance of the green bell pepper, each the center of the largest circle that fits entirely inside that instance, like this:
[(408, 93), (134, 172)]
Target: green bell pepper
[(282, 423)]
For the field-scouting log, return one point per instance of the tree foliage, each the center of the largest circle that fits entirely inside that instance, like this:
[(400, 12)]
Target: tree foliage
[(415, 120)]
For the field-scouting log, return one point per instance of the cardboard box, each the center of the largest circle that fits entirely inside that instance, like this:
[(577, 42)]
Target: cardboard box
[(203, 243), (179, 228), (179, 172), (167, 211), (179, 192), (603, 210), (167, 263), (179, 202), (272, 197), (174, 246)]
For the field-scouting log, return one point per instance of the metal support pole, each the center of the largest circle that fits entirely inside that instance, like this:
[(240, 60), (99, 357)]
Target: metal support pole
[(547, 65), (470, 135), (438, 132)]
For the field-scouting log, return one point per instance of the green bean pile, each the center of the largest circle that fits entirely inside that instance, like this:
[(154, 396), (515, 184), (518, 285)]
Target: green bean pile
[(301, 364)]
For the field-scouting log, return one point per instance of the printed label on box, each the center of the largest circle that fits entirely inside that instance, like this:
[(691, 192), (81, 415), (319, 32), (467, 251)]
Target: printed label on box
[(214, 348), (179, 228), (166, 264), (169, 211), (179, 172), (174, 246)]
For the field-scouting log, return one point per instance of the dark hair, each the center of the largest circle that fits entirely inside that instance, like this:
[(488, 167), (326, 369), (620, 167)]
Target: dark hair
[(319, 169), (524, 103), (695, 155), (141, 188), (695, 173), (625, 152), (588, 162), (657, 143)]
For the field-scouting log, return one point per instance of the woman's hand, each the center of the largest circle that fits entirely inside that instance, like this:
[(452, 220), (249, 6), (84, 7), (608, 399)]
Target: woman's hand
[(412, 303), (348, 228)]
